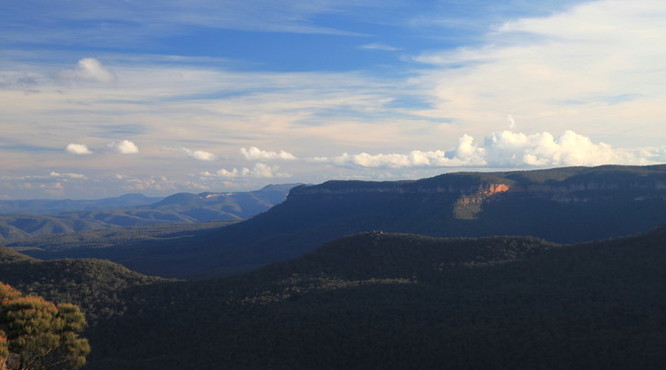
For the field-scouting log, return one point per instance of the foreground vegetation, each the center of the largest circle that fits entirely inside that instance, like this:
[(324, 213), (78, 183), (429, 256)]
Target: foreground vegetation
[(35, 334)]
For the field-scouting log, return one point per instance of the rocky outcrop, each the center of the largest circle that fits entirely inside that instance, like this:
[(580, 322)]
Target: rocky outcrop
[(468, 206)]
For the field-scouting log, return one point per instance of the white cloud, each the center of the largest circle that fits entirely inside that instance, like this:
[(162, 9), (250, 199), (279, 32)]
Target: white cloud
[(254, 154), (198, 154), (202, 156), (124, 147), (88, 69), (466, 153), (512, 150), (260, 170), (378, 46), (595, 64), (69, 175), (77, 149)]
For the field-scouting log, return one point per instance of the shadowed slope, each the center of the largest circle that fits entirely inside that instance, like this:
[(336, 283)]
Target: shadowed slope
[(389, 301)]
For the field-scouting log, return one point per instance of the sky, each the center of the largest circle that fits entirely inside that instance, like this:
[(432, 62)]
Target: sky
[(102, 98)]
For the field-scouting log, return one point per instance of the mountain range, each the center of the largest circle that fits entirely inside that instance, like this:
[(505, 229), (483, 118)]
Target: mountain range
[(53, 206), (25, 219), (564, 205)]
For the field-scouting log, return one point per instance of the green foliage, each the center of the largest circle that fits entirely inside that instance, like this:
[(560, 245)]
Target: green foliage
[(94, 285), (39, 335)]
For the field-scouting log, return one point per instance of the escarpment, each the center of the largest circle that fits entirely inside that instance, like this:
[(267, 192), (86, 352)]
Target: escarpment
[(474, 187)]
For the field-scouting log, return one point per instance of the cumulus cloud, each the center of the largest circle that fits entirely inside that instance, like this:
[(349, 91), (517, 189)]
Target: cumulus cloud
[(124, 147), (466, 153), (199, 154), (77, 149), (509, 149), (260, 170), (88, 69), (255, 154)]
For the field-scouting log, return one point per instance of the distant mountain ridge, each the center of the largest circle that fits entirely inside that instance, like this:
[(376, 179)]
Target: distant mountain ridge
[(564, 205), (133, 210), (50, 206)]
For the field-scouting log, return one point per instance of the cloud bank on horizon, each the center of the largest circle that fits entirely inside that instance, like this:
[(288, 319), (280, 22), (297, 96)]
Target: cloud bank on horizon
[(228, 96)]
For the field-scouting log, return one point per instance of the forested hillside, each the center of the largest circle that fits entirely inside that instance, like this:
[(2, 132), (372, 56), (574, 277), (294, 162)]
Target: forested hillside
[(381, 300), (95, 285), (390, 301)]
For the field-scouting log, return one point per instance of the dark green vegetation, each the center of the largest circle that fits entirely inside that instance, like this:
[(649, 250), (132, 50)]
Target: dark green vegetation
[(385, 301), (35, 334), (95, 285), (562, 205), (396, 301), (131, 210)]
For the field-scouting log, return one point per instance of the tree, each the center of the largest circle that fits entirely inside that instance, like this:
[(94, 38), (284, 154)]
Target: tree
[(36, 334)]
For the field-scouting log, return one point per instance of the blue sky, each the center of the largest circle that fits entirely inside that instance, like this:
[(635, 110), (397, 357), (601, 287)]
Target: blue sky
[(108, 97)]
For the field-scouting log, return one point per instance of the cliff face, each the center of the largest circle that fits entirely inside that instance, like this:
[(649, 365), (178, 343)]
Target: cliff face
[(469, 205), (472, 187), (562, 204)]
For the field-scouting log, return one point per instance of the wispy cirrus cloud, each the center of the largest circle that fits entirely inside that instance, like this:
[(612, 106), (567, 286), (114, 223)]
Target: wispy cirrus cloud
[(126, 23), (378, 46), (594, 64)]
